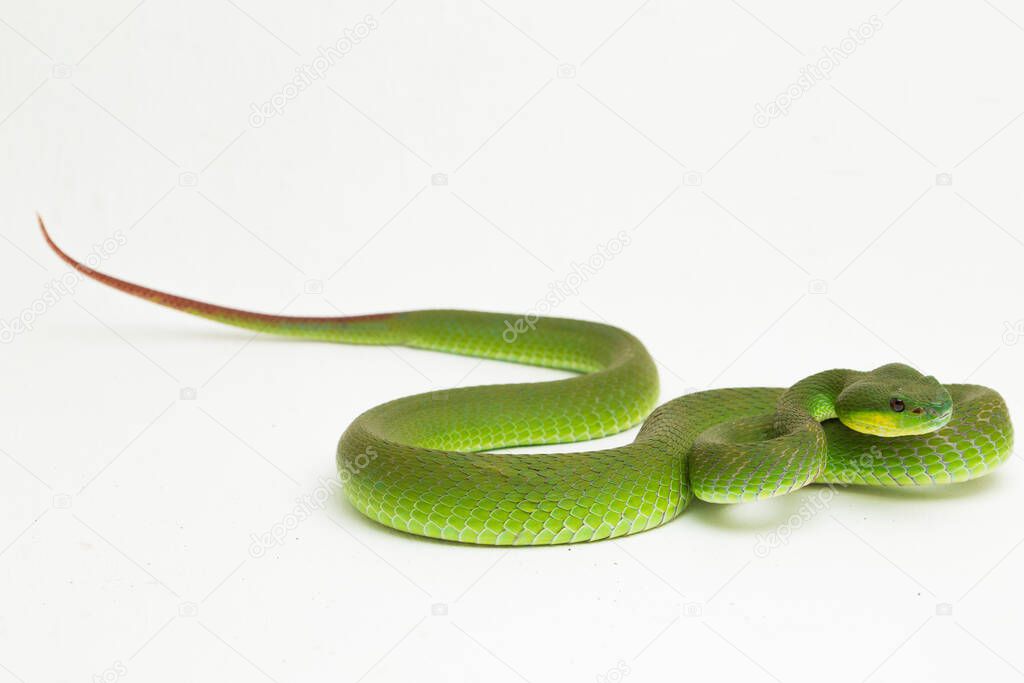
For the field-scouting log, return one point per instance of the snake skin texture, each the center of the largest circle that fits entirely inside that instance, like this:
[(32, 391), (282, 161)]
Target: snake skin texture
[(417, 464)]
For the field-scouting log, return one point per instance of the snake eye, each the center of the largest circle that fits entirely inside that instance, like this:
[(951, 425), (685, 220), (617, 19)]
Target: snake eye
[(897, 405)]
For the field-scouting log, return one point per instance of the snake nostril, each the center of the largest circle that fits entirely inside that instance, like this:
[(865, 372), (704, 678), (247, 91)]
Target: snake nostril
[(917, 411)]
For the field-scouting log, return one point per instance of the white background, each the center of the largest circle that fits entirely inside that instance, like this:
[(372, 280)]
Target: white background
[(757, 255)]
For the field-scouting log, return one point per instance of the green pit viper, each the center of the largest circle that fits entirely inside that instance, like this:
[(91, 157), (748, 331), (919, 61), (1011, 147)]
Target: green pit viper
[(416, 463)]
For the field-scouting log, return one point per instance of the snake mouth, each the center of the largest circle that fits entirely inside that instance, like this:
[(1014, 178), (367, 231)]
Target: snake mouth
[(941, 419)]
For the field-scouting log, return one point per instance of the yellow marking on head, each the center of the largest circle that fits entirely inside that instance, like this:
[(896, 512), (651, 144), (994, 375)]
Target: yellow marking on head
[(878, 423), (881, 423)]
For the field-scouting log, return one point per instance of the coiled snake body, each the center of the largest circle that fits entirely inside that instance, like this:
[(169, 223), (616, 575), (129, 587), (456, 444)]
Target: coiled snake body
[(415, 463)]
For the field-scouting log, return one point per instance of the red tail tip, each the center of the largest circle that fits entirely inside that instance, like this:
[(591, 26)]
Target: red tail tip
[(60, 252)]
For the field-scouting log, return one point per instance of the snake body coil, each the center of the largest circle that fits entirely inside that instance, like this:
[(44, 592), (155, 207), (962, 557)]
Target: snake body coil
[(414, 464)]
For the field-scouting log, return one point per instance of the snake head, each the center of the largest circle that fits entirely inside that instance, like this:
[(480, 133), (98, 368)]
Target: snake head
[(894, 400)]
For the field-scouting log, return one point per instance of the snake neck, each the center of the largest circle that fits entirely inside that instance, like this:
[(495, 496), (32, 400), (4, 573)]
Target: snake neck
[(811, 401)]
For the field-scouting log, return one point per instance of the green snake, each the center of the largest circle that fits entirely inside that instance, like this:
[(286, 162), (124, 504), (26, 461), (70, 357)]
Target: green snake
[(416, 463)]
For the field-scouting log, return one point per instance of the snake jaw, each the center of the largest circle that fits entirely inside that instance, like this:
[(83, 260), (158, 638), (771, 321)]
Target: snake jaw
[(880, 423)]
